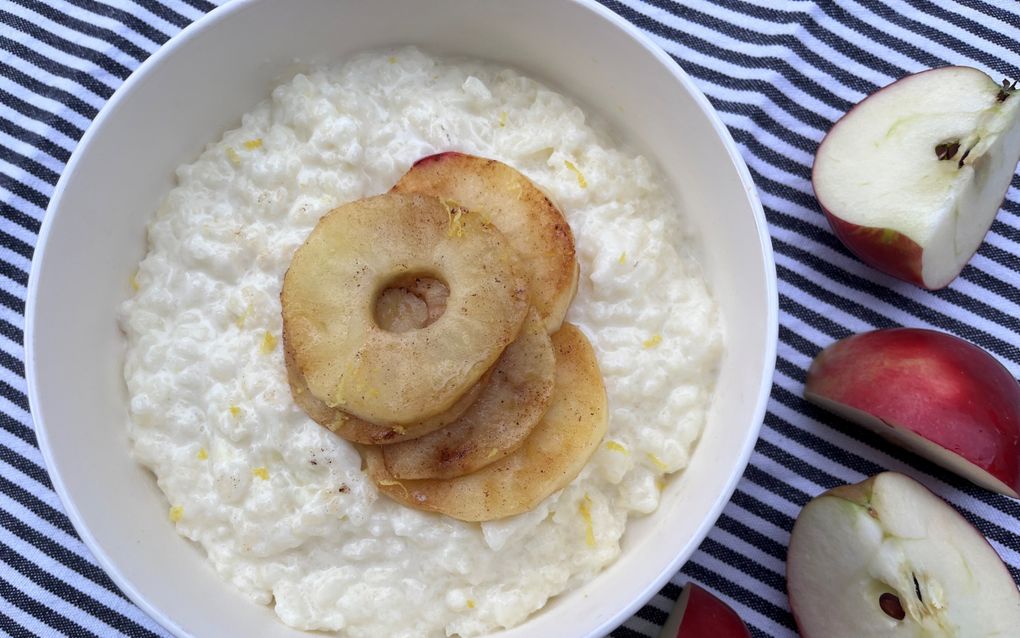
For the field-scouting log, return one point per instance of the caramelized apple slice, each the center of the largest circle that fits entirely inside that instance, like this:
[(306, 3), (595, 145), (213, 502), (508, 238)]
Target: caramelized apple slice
[(550, 458), (496, 424), (357, 251), (358, 430)]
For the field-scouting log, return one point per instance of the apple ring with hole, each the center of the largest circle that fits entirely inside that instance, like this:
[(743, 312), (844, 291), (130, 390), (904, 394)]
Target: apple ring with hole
[(410, 304), (535, 228), (551, 456), (507, 410), (352, 256)]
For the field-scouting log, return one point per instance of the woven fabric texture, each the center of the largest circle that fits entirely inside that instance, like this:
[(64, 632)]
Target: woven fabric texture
[(779, 72)]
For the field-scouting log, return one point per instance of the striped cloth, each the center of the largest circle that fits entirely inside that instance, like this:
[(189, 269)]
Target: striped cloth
[(779, 72)]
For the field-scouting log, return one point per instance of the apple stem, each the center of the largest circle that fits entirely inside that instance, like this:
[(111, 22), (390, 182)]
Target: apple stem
[(1008, 89), (963, 157), (890, 604)]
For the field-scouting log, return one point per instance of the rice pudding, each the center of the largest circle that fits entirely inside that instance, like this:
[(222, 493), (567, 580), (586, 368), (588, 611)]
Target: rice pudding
[(281, 505)]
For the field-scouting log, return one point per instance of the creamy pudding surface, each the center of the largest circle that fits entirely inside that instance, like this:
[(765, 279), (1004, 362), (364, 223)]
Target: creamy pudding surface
[(281, 505)]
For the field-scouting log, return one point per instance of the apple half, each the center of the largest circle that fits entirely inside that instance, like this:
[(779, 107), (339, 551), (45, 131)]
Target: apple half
[(911, 178), (937, 395), (699, 614), (886, 557)]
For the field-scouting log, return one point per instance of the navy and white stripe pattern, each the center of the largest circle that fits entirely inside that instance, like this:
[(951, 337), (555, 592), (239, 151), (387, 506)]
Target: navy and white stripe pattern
[(779, 72)]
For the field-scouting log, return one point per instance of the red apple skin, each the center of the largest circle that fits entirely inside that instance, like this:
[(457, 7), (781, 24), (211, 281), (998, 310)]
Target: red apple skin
[(437, 157), (883, 249), (938, 386), (705, 616)]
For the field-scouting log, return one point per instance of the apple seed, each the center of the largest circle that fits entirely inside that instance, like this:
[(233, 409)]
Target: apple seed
[(947, 150), (890, 604)]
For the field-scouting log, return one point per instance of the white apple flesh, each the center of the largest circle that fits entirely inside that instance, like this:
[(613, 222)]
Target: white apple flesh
[(929, 392), (912, 177), (886, 557)]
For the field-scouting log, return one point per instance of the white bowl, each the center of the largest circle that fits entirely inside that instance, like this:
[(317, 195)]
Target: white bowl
[(196, 87)]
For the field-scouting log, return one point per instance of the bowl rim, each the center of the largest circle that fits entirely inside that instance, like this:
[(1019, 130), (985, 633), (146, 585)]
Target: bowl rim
[(223, 12)]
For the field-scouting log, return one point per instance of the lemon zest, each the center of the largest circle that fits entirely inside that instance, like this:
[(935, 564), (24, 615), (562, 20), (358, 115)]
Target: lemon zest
[(390, 483), (653, 341), (659, 463), (176, 513), (502, 119), (261, 472), (659, 483), (623, 258), (470, 603), (251, 145), (585, 508), (268, 343), (392, 59), (456, 214), (617, 447), (235, 411), (239, 322), (202, 454), (581, 181), (134, 282), (493, 452), (232, 155)]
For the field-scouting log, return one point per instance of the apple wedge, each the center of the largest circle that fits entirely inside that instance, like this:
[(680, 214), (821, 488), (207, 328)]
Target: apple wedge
[(911, 178), (886, 557), (937, 395), (699, 614)]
